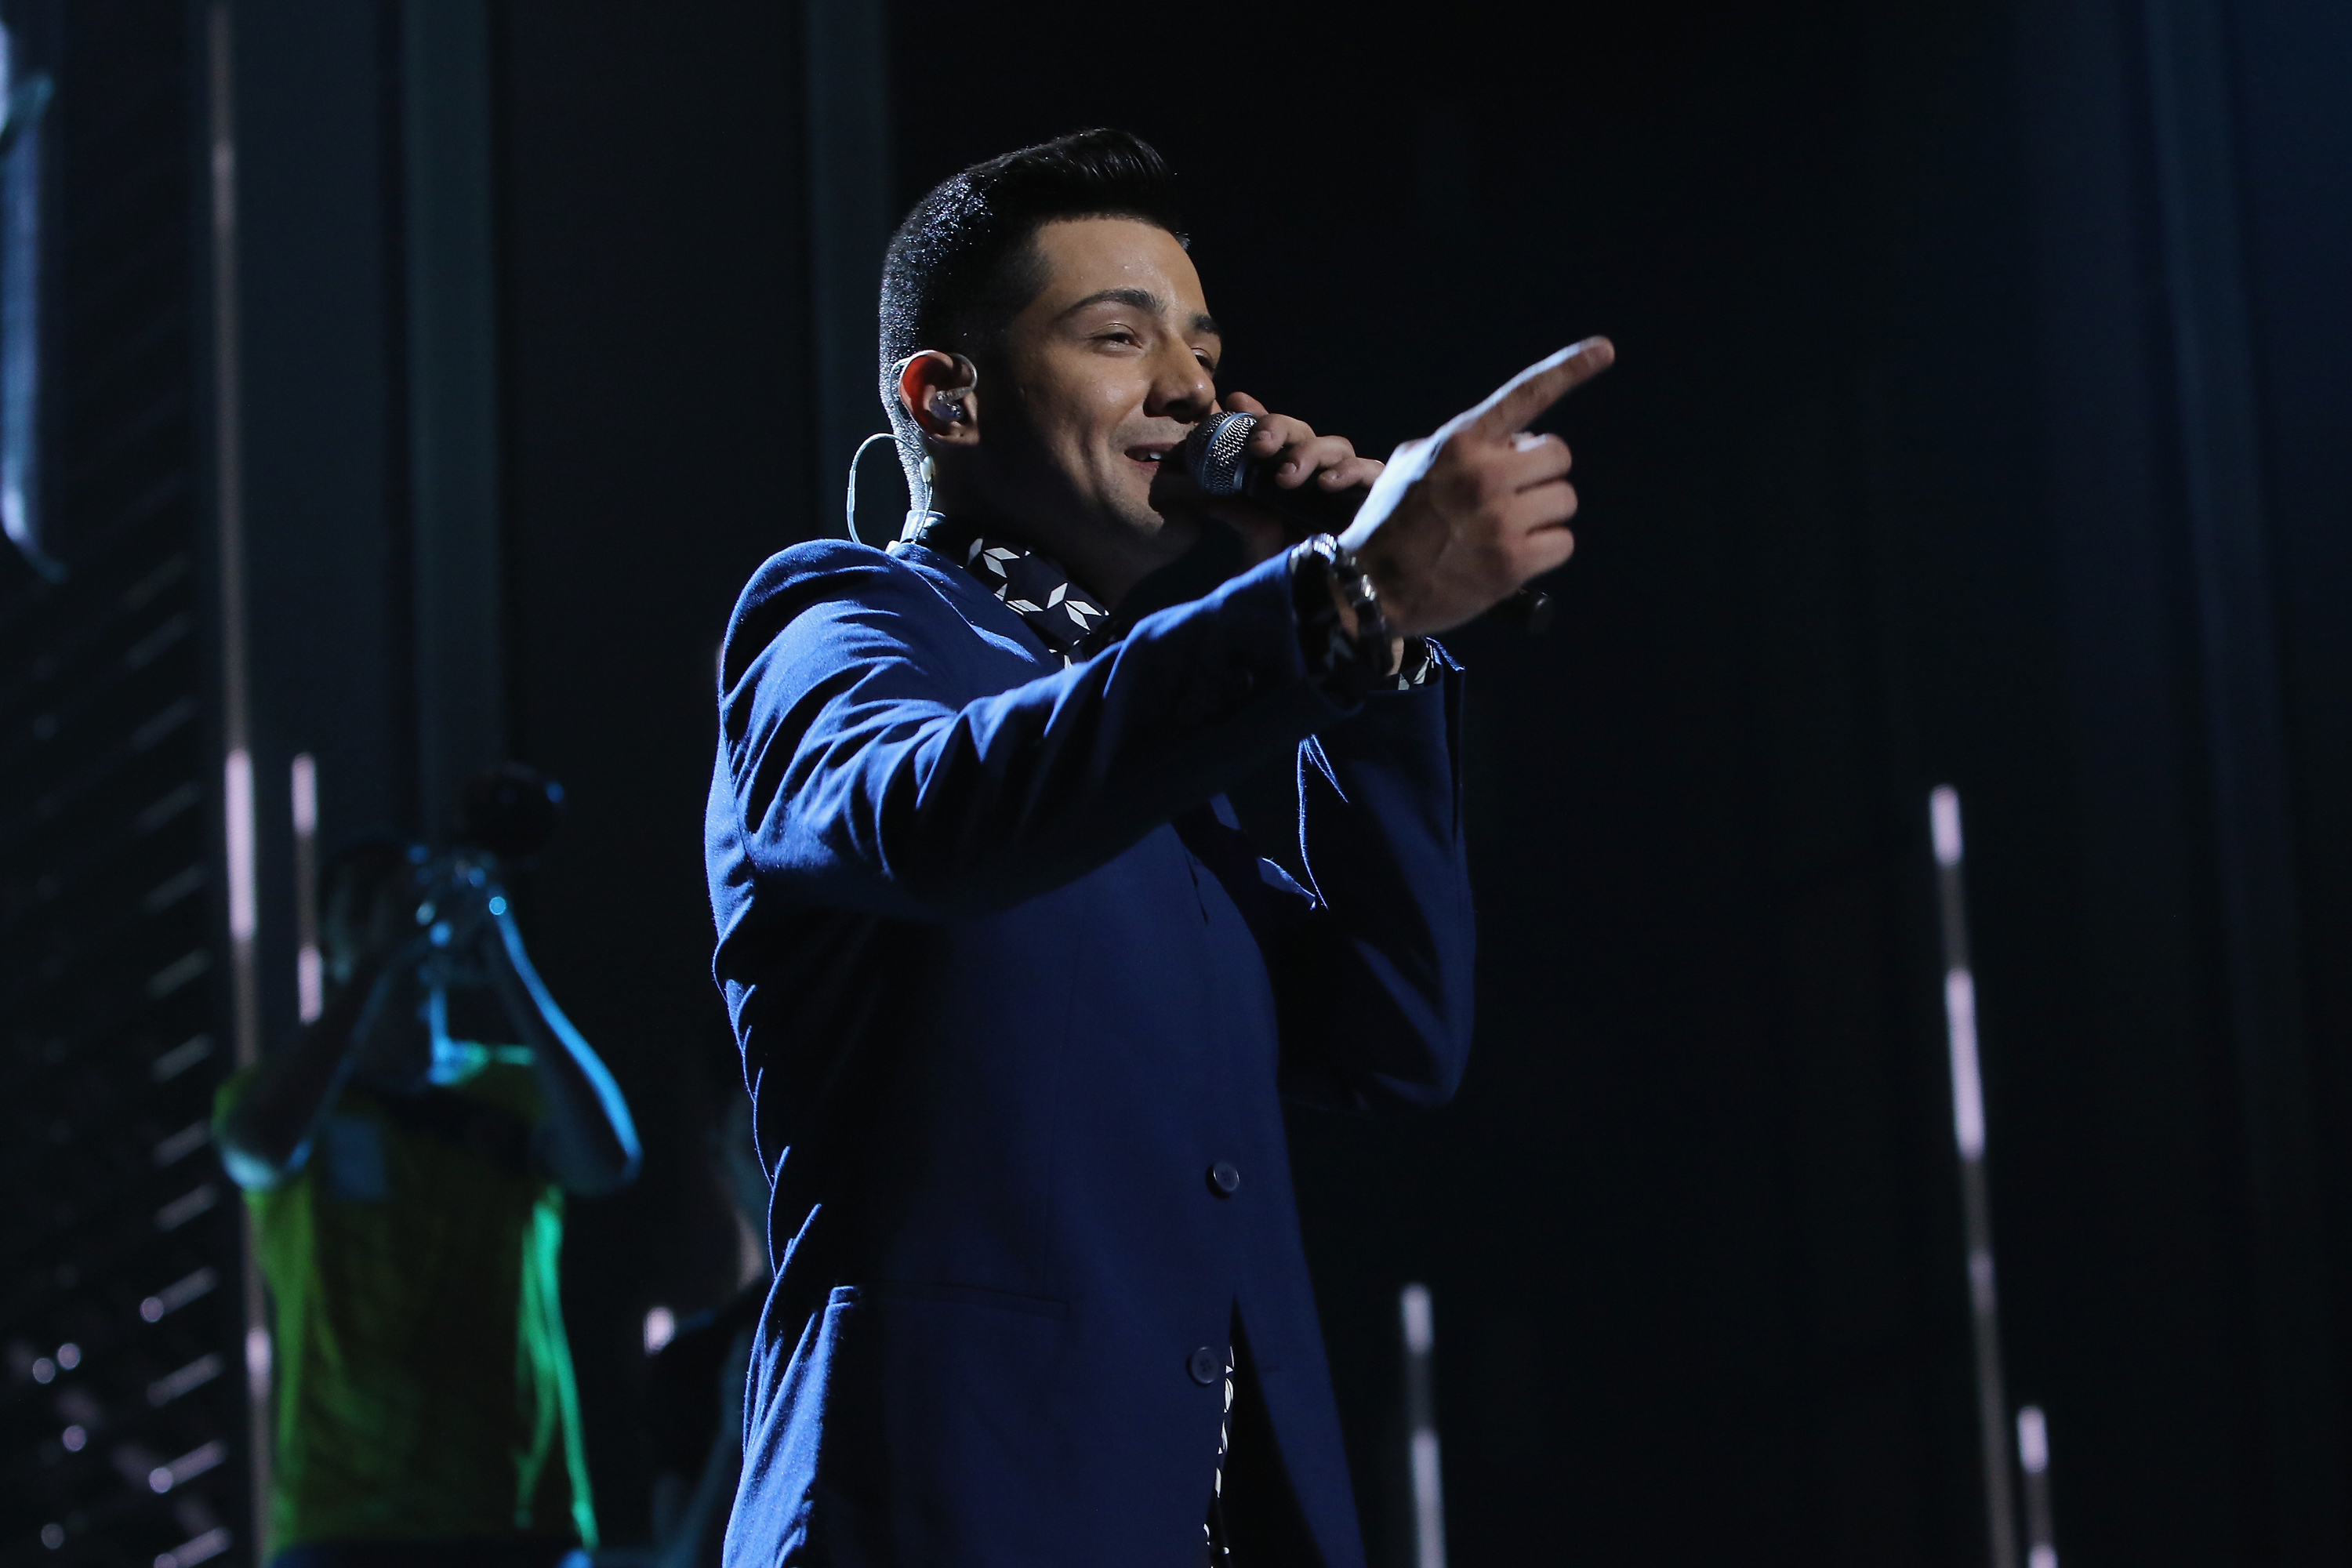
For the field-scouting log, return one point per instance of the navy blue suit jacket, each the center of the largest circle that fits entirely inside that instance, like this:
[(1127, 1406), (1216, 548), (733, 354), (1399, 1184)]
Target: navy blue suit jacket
[(1008, 982)]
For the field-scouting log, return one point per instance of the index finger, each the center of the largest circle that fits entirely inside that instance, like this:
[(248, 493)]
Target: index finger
[(1518, 401)]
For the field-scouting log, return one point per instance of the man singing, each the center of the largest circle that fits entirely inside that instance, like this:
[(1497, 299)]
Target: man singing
[(1017, 1003)]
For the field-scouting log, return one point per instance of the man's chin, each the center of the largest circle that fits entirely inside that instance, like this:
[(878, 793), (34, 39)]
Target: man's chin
[(1161, 524)]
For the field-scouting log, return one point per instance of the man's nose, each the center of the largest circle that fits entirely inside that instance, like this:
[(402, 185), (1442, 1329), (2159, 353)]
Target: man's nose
[(1183, 388)]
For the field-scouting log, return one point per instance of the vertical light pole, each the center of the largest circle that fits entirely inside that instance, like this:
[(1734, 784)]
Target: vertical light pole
[(309, 969), (237, 768), (2033, 1458), (1421, 1422), (1976, 1205)]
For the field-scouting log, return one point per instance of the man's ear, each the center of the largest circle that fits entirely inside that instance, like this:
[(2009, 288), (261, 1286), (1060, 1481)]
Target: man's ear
[(941, 393)]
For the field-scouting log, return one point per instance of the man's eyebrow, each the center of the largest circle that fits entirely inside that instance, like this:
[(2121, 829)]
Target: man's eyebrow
[(1141, 299), (1146, 301)]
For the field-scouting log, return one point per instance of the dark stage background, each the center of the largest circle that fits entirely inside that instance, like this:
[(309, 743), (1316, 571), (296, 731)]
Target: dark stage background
[(1981, 418)]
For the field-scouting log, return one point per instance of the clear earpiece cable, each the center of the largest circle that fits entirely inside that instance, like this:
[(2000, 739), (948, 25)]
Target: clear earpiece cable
[(849, 504)]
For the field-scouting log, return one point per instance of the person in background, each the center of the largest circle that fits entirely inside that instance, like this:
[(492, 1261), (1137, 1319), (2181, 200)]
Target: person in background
[(407, 1191), (695, 1385)]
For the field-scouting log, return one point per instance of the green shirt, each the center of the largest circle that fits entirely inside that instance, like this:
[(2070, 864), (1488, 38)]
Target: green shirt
[(423, 1385)]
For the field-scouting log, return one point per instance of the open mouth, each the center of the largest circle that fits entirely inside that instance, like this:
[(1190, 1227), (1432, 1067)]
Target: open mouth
[(1150, 454)]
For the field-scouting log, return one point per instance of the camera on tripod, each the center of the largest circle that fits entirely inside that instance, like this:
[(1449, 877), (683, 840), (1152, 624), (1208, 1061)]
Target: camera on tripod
[(507, 814)]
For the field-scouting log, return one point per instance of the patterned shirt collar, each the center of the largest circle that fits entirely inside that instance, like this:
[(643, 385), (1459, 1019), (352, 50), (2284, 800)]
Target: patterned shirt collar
[(1064, 615)]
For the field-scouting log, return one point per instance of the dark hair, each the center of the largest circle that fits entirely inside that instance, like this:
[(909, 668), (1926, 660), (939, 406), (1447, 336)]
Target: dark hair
[(961, 266)]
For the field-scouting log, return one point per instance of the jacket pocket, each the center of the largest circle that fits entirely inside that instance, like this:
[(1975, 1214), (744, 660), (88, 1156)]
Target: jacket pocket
[(928, 1420)]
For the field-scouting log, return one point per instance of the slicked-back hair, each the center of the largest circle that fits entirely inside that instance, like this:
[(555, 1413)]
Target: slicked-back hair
[(962, 265)]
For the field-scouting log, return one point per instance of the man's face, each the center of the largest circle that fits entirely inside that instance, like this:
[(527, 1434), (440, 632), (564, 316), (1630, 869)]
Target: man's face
[(1110, 366)]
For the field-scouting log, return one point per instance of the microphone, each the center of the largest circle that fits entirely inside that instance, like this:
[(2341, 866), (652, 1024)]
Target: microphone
[(1217, 454)]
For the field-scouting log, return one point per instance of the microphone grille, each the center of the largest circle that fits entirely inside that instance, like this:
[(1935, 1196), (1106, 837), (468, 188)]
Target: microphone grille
[(1213, 453)]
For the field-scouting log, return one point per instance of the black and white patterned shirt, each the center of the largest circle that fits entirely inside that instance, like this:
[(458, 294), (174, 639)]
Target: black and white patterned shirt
[(1064, 615), (1067, 620)]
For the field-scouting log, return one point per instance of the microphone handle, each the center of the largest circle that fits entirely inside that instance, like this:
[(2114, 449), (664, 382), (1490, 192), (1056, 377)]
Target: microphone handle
[(1330, 512)]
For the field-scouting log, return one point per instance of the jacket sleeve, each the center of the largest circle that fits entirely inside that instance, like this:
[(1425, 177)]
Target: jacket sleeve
[(1373, 962), (864, 775), (1374, 986)]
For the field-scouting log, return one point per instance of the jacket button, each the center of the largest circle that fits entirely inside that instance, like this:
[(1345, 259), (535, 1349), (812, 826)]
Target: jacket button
[(1225, 1177), (1206, 1366)]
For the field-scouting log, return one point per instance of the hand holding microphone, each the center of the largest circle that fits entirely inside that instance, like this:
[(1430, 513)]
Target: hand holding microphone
[(1294, 483)]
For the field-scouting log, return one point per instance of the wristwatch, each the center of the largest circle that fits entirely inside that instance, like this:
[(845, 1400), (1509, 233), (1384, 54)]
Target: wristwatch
[(1325, 575)]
